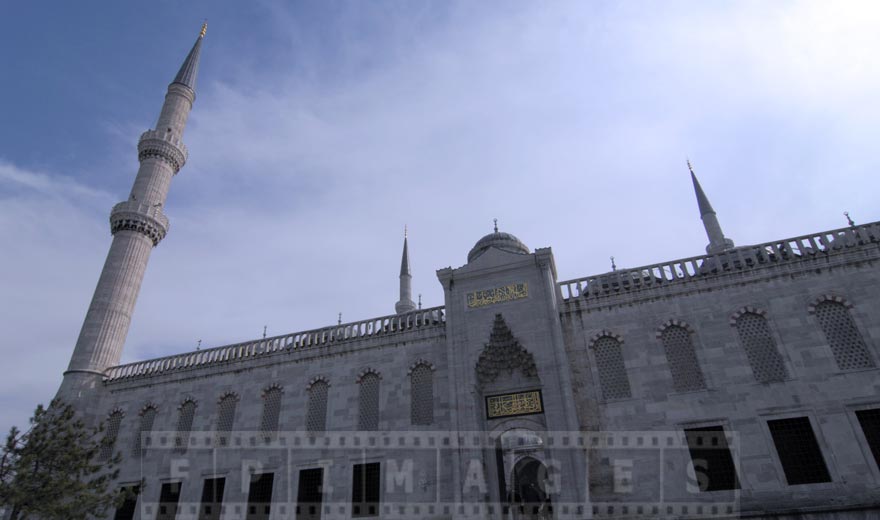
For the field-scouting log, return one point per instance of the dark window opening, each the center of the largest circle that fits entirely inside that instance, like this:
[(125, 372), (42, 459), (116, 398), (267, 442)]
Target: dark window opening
[(713, 463), (309, 494), (129, 506), (869, 420), (212, 498), (169, 496), (365, 489), (798, 451), (260, 496)]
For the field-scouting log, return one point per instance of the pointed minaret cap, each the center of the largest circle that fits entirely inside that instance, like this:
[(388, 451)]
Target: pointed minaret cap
[(717, 241), (190, 69), (406, 303)]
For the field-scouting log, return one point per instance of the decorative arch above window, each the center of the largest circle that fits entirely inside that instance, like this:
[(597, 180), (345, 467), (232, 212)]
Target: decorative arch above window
[(847, 345), (757, 340), (607, 350), (676, 337)]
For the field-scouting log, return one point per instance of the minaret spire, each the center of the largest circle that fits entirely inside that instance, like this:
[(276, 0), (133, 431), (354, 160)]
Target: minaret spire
[(406, 303), (137, 224), (717, 241)]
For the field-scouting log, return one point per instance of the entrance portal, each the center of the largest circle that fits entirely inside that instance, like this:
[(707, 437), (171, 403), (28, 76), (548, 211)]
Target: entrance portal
[(530, 499)]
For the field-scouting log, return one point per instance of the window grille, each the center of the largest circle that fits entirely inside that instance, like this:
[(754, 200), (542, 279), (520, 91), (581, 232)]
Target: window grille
[(212, 498), (271, 411), (682, 359), (184, 426), (869, 420), (316, 417), (612, 372), (368, 408), (422, 395), (142, 440), (260, 496), (309, 494), (765, 359), (169, 496), (225, 419), (713, 463), (111, 432), (128, 508), (798, 451), (849, 349), (365, 489)]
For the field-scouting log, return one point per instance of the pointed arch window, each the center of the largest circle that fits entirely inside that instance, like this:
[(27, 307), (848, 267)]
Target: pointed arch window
[(184, 426), (682, 359), (225, 418), (422, 394), (141, 439), (271, 410), (316, 417), (111, 432), (846, 342), (763, 355), (368, 402), (613, 379)]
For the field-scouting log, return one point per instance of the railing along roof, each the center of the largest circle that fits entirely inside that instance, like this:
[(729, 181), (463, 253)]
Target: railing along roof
[(375, 327), (740, 259)]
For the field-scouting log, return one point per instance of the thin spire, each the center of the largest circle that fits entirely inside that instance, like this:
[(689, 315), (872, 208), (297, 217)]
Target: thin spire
[(717, 241), (405, 304), (190, 68), (496, 224)]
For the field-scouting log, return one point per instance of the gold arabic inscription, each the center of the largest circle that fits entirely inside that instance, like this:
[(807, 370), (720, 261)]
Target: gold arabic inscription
[(506, 405), (506, 293)]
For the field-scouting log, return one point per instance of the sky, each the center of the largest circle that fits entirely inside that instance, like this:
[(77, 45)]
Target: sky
[(322, 128)]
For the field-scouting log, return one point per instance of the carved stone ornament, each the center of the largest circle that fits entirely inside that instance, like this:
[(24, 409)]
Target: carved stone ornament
[(503, 352)]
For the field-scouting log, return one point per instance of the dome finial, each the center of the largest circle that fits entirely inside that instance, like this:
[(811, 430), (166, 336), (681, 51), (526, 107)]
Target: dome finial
[(496, 224), (204, 29)]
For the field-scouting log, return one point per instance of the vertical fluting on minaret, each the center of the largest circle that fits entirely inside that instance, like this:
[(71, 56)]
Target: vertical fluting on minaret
[(717, 241), (406, 303), (137, 224)]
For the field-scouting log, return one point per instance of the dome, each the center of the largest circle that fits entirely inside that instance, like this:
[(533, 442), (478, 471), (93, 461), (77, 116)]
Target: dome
[(498, 240)]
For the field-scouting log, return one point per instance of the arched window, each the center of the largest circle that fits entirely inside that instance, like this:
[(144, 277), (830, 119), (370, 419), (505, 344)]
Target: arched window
[(271, 410), (422, 394), (225, 418), (184, 426), (368, 402), (765, 359), (141, 441), (612, 372), (683, 364), (111, 432), (316, 418), (849, 349)]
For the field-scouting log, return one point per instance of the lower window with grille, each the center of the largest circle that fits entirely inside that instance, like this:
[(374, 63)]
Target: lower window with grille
[(212, 498), (365, 489), (260, 496), (309, 494), (798, 451), (869, 420), (713, 462), (129, 506), (169, 496)]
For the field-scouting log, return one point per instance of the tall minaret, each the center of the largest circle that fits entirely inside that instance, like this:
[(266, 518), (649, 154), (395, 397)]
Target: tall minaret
[(137, 225), (717, 241), (406, 303)]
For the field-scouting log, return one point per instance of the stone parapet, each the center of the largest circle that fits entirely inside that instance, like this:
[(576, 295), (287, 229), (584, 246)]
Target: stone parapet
[(133, 215), (244, 353), (164, 145), (624, 286)]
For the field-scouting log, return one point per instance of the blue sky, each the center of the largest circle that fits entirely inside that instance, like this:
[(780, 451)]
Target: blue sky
[(322, 128)]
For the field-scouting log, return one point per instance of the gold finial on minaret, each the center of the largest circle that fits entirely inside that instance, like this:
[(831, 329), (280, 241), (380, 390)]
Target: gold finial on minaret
[(404, 231), (691, 168), (204, 29)]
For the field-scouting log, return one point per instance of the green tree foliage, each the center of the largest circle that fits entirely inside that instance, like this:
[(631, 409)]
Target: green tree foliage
[(54, 470)]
